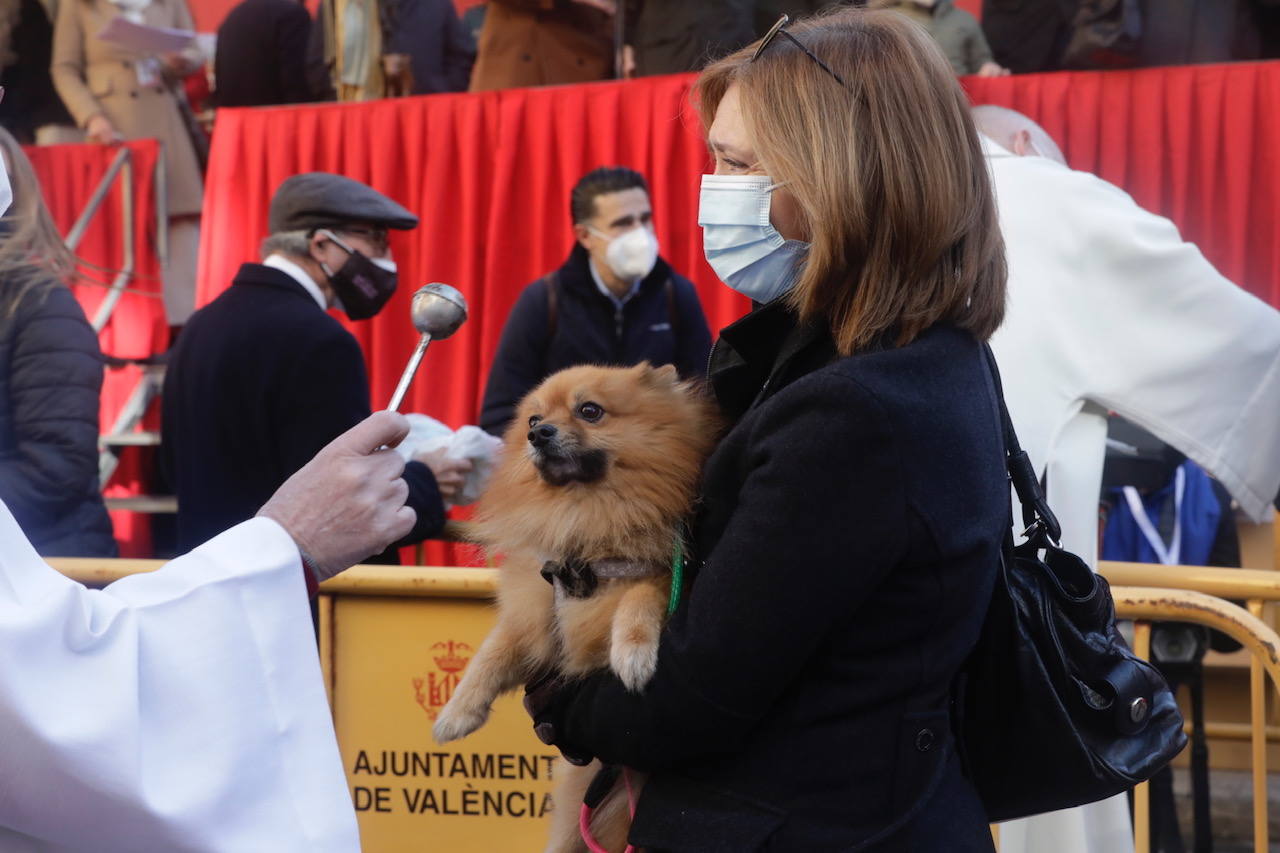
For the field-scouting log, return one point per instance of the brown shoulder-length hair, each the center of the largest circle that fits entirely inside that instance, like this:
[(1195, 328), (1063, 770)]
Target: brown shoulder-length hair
[(32, 253), (887, 173)]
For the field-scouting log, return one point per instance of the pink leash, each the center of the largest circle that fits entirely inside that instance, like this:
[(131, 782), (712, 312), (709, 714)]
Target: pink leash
[(584, 818)]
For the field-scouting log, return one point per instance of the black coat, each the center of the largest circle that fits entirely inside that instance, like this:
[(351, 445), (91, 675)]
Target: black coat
[(50, 378), (671, 37), (441, 50), (261, 55), (259, 381), (661, 323), (849, 536), (30, 101)]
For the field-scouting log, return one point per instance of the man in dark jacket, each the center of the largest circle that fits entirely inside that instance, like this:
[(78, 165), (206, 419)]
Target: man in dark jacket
[(262, 377), (671, 36), (31, 110), (613, 302), (261, 55)]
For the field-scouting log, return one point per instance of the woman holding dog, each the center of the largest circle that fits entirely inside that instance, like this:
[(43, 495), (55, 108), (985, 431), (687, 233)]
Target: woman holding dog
[(851, 518)]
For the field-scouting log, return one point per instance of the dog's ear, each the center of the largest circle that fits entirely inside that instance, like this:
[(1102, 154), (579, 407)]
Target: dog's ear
[(664, 376)]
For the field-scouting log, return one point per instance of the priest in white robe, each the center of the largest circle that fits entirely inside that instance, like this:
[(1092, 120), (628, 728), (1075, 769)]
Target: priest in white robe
[(1109, 309), (183, 710)]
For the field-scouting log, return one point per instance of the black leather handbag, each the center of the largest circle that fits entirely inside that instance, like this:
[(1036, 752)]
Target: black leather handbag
[(1053, 708)]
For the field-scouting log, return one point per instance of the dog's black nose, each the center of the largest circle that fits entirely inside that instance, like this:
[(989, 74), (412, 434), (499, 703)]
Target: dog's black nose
[(542, 434)]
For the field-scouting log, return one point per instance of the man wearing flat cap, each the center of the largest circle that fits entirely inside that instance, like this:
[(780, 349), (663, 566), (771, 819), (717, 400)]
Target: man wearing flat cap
[(262, 377)]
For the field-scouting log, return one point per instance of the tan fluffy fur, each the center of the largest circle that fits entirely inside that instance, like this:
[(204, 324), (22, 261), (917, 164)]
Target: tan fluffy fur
[(655, 434)]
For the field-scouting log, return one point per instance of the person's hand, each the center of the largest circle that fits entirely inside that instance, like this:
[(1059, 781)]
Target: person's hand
[(543, 699), (177, 64), (450, 473), (628, 62), (398, 74), (101, 130), (993, 69), (609, 7), (348, 502), (395, 64)]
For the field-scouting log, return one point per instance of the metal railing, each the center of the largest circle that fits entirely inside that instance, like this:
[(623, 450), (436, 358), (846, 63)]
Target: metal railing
[(1194, 594), (121, 170), (121, 167), (1145, 605), (1144, 593)]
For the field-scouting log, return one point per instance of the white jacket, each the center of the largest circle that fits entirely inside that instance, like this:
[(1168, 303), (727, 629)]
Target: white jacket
[(180, 710), (1110, 310)]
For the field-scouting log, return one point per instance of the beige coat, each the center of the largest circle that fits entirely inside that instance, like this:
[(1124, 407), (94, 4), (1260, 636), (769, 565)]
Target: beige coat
[(94, 76)]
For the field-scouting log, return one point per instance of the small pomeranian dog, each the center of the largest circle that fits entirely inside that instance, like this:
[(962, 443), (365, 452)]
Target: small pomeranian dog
[(598, 473)]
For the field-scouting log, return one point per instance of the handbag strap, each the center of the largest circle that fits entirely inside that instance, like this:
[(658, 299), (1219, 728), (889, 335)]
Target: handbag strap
[(1035, 509)]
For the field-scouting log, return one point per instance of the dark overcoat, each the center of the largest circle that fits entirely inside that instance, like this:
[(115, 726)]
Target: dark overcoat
[(260, 380), (50, 378), (441, 50), (662, 323), (671, 37), (846, 551), (261, 54)]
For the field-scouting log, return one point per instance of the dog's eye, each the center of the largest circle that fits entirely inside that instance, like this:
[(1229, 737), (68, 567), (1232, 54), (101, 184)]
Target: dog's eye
[(591, 412), (534, 420)]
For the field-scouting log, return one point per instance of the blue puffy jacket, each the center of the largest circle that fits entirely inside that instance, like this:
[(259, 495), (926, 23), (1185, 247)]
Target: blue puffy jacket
[(50, 378)]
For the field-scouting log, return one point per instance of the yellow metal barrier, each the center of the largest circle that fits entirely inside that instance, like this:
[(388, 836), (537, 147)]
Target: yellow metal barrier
[(1145, 605), (393, 643), (394, 640), (1196, 603)]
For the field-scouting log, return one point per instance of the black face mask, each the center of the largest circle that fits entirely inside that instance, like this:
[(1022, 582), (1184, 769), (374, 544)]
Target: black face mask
[(361, 285)]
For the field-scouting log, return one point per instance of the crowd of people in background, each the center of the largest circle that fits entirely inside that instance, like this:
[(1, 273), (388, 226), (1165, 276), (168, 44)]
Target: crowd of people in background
[(1097, 290), (68, 84), (273, 52)]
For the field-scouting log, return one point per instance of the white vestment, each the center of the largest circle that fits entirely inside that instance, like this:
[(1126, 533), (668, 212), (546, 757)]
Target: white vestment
[(180, 710), (1110, 310)]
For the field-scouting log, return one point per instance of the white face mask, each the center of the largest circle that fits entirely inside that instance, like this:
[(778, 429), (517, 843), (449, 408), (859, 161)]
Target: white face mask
[(6, 191), (632, 255), (742, 246), (385, 263)]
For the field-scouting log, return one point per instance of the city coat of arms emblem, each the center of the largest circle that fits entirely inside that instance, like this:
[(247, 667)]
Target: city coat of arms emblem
[(434, 690)]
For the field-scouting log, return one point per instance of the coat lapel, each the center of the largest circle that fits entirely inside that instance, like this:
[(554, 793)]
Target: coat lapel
[(762, 353)]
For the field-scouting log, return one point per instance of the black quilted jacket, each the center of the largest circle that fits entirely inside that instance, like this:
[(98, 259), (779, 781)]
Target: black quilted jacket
[(50, 376)]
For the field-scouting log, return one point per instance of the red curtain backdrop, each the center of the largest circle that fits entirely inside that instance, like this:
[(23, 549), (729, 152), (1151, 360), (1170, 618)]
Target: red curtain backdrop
[(490, 176), (68, 175)]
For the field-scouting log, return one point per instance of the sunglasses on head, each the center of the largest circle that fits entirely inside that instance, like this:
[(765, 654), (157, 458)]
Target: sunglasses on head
[(778, 29)]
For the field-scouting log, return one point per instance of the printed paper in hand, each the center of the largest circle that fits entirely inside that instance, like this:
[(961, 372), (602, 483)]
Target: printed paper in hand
[(145, 39)]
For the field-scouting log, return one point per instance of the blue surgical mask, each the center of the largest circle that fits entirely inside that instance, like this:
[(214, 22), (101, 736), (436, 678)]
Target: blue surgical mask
[(744, 249)]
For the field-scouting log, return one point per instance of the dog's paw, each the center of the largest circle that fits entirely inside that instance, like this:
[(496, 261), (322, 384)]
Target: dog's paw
[(634, 663), (457, 722)]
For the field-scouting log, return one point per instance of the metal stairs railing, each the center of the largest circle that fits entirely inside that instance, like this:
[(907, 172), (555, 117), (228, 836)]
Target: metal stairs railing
[(124, 431)]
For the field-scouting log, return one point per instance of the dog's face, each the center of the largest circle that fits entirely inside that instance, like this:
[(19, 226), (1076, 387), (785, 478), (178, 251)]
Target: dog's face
[(598, 455), (559, 443), (582, 421)]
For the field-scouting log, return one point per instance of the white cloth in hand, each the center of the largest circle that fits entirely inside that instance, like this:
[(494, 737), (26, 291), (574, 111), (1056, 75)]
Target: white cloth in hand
[(469, 442)]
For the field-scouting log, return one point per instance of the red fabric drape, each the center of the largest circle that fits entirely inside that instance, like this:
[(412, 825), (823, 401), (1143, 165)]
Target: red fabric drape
[(68, 175), (490, 176)]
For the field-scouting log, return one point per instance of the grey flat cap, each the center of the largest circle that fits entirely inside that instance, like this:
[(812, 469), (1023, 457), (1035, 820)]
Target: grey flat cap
[(321, 200)]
